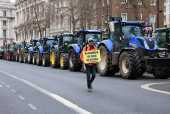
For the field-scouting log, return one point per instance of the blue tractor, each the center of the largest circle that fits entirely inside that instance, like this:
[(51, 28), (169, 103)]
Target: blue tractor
[(75, 50), (32, 49), (43, 51), (127, 50)]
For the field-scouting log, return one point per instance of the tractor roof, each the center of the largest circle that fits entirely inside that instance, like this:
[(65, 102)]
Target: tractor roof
[(131, 22), (35, 39), (47, 38), (162, 28), (91, 31)]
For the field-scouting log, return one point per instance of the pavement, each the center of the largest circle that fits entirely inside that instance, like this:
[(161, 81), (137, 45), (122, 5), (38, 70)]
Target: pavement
[(31, 89)]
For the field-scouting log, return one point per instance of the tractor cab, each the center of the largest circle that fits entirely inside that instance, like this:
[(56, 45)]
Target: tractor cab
[(163, 38), (46, 43), (84, 35), (65, 41)]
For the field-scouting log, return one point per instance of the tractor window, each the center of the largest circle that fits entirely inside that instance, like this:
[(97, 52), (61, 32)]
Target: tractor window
[(161, 39), (80, 41), (27, 44), (17, 46), (97, 37), (38, 44), (49, 43)]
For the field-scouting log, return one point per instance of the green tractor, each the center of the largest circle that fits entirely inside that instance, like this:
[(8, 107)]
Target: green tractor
[(23, 51), (59, 52), (163, 38), (13, 47)]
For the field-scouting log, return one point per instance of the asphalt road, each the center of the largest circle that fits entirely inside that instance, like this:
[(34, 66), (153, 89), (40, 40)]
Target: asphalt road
[(31, 89)]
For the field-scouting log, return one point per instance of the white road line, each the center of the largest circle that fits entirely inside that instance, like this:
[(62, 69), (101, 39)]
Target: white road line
[(7, 86), (146, 86), (0, 85), (13, 90), (3, 82), (32, 106), (21, 97), (54, 96)]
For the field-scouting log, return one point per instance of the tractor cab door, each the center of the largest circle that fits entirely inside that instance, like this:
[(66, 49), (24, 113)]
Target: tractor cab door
[(80, 41), (161, 36)]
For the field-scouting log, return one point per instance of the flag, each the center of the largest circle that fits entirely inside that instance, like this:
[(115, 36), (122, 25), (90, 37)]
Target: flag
[(147, 28)]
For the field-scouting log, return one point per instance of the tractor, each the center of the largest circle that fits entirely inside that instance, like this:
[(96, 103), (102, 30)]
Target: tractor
[(163, 38), (127, 50), (2, 53), (59, 52), (32, 49), (23, 52), (43, 51), (75, 50), (13, 47)]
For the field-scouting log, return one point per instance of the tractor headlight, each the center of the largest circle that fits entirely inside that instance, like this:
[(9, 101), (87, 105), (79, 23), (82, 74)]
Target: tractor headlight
[(146, 45)]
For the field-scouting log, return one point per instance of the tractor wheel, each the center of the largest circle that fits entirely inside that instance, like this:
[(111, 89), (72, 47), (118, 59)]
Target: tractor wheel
[(25, 57), (73, 65), (38, 58), (46, 60), (84, 67), (30, 57), (34, 58), (17, 57), (129, 65), (103, 67), (142, 71), (54, 59), (21, 59), (64, 61), (10, 56), (163, 73)]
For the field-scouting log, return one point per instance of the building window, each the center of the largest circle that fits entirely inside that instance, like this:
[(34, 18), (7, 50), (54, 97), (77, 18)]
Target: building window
[(152, 2), (140, 2), (141, 16), (86, 24), (4, 23), (4, 32), (164, 1), (151, 18), (169, 17), (124, 16), (102, 20), (165, 18), (123, 1), (102, 2), (4, 13), (107, 1), (169, 7), (164, 8)]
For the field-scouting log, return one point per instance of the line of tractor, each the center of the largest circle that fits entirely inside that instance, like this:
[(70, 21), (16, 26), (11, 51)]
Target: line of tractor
[(124, 47)]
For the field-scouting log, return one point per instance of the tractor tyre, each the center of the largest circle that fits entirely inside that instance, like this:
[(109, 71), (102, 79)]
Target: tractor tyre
[(73, 64), (25, 57), (30, 57), (16, 57), (34, 59), (103, 67), (129, 65), (54, 59), (45, 60), (163, 73), (39, 62), (21, 58), (64, 61)]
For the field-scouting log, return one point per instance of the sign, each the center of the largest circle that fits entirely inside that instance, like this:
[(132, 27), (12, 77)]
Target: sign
[(91, 56)]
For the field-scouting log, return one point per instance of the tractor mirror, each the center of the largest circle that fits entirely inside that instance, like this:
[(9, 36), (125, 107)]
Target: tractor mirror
[(111, 26), (153, 27)]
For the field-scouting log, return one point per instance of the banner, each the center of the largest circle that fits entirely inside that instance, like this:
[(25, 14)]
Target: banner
[(91, 56)]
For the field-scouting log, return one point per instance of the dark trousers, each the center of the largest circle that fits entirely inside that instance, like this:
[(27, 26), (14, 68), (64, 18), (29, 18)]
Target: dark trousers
[(90, 69)]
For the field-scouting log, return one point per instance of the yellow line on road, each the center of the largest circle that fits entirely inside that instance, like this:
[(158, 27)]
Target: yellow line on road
[(21, 97), (7, 85), (32, 106), (13, 90)]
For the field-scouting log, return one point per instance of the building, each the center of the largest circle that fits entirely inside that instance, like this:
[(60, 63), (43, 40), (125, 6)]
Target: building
[(130, 10), (7, 22)]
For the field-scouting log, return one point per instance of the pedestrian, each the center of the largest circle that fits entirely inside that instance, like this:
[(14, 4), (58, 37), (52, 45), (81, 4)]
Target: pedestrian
[(90, 67)]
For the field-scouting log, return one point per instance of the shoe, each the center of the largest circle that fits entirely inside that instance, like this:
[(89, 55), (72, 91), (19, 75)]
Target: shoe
[(89, 89)]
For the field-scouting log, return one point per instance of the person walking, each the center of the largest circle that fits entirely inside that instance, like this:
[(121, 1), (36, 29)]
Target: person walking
[(90, 67)]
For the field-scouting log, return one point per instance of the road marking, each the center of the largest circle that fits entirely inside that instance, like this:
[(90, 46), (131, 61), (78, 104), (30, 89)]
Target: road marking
[(3, 82), (32, 106), (54, 96), (146, 86), (13, 90), (21, 97), (0, 85), (7, 86)]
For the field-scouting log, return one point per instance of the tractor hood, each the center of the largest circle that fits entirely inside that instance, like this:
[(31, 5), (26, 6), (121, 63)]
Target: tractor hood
[(147, 43)]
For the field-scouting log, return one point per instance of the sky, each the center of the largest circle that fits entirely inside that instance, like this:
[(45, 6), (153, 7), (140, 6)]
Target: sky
[(12, 0)]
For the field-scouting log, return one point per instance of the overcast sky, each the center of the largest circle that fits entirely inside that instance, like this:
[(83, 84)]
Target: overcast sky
[(12, 0)]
